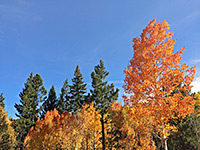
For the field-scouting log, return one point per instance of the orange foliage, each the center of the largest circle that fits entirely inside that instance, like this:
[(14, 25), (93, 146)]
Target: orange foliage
[(48, 133), (78, 131), (153, 74)]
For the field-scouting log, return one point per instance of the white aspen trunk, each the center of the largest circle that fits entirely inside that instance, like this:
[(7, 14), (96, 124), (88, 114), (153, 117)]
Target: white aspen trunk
[(165, 139), (152, 143), (166, 148)]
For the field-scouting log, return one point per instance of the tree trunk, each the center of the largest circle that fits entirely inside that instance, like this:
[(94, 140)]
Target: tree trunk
[(166, 148), (103, 133), (94, 143), (87, 147), (152, 142), (165, 140)]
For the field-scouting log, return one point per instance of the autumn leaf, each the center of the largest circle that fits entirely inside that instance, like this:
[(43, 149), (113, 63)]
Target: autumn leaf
[(153, 75)]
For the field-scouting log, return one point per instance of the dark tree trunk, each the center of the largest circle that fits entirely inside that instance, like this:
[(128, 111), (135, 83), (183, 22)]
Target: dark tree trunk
[(103, 132)]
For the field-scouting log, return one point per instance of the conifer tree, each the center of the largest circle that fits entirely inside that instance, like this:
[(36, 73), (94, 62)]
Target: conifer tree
[(77, 91), (28, 109), (2, 104), (51, 102), (63, 101), (102, 94)]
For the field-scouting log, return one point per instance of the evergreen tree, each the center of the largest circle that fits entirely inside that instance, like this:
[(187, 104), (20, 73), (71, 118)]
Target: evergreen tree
[(51, 102), (2, 104), (102, 94), (184, 138), (63, 101), (28, 109), (77, 91)]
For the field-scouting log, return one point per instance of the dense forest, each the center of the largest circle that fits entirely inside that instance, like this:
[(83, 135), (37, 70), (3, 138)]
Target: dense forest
[(159, 110)]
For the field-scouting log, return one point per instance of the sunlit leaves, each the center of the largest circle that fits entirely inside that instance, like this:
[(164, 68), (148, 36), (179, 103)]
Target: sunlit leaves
[(152, 76), (7, 134), (77, 131)]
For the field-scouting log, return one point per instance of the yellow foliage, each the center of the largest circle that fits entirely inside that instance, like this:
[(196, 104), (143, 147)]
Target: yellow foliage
[(197, 98), (6, 130), (66, 131)]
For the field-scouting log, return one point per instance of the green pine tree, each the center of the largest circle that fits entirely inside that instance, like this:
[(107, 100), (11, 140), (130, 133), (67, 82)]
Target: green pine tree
[(63, 101), (77, 91), (51, 102), (28, 110), (102, 94), (2, 104)]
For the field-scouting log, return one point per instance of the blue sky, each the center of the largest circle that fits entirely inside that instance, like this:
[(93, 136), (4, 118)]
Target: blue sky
[(51, 37)]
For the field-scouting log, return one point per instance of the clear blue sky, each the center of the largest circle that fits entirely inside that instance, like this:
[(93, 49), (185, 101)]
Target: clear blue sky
[(51, 37)]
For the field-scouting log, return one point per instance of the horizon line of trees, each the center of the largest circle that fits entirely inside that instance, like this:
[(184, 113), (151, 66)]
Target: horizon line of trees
[(72, 98), (35, 102)]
